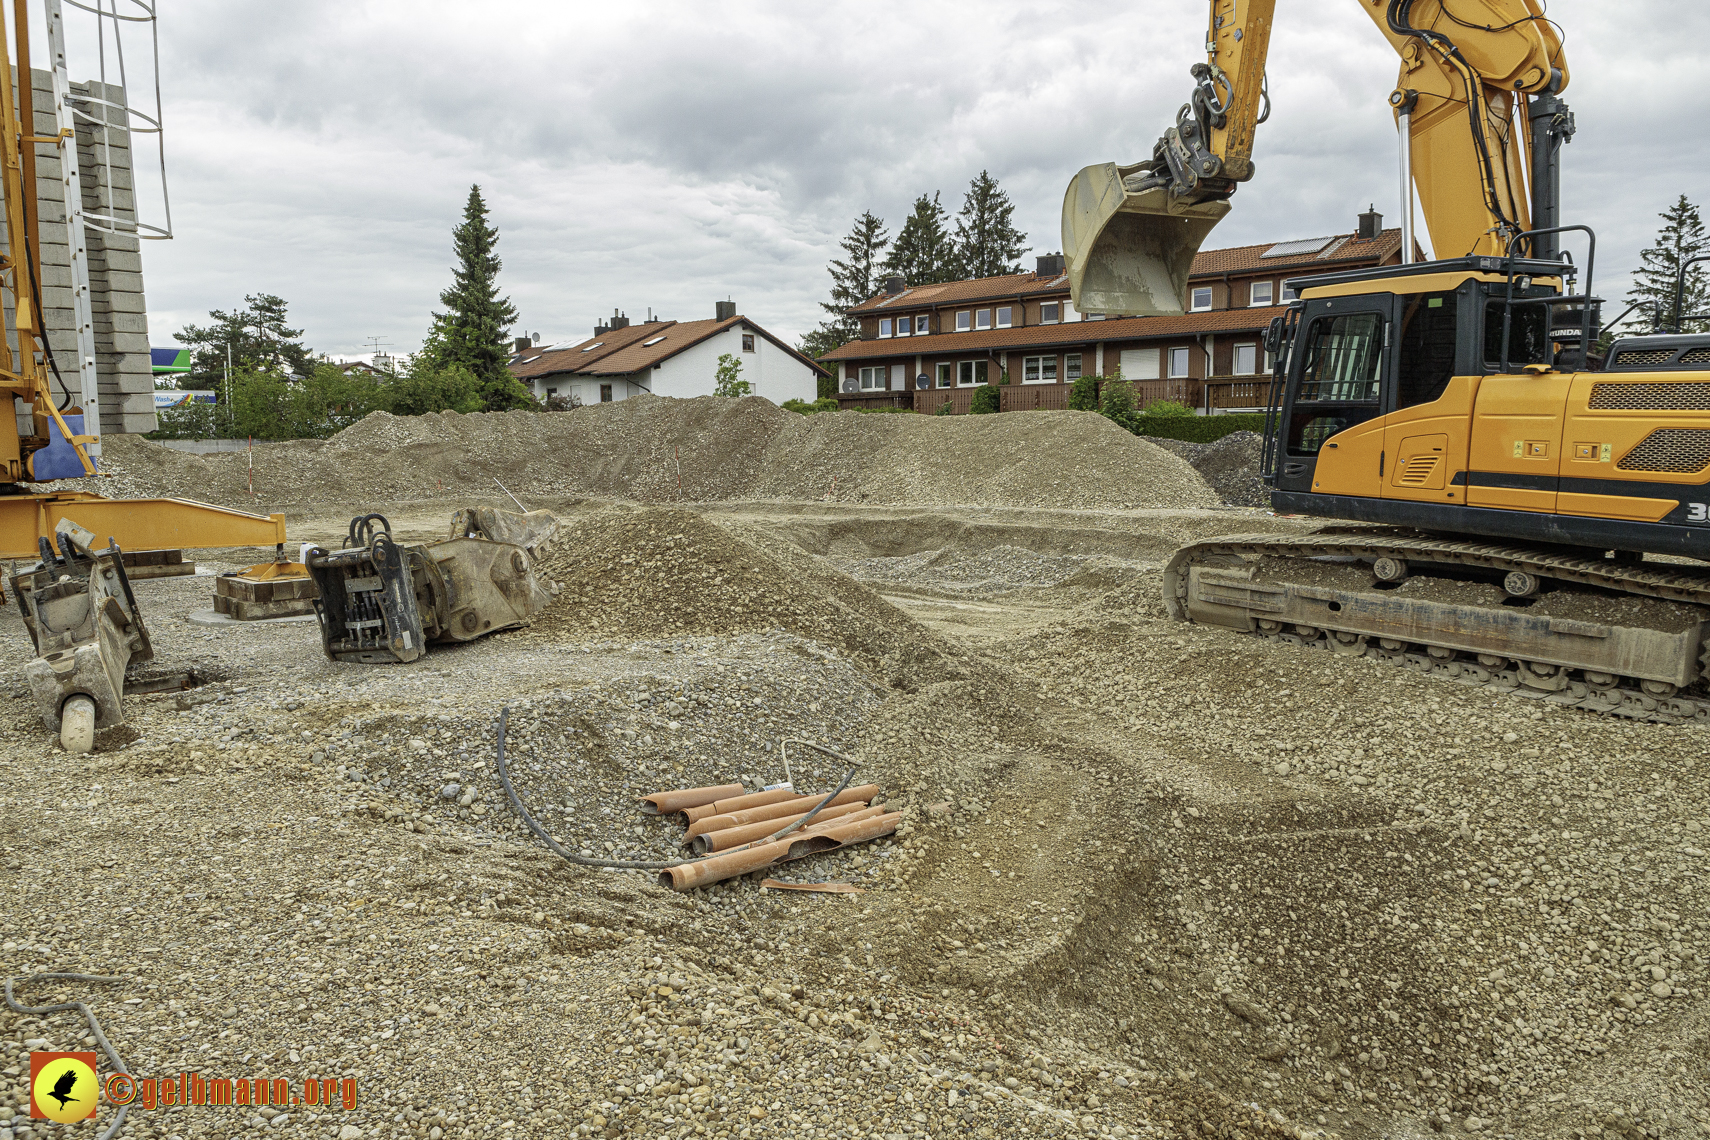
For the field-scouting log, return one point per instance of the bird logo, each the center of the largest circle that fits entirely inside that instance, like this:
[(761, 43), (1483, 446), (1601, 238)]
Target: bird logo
[(62, 1086)]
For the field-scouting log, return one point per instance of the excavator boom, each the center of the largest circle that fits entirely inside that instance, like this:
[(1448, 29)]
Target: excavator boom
[(1477, 100)]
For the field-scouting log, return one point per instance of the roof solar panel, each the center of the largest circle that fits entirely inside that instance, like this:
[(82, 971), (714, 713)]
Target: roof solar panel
[(1296, 248)]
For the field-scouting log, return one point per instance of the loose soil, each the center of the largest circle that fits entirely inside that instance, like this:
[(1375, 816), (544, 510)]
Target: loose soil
[(1154, 879)]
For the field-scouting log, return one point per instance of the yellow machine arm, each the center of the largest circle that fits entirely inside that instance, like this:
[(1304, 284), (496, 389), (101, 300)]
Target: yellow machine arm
[(1476, 103)]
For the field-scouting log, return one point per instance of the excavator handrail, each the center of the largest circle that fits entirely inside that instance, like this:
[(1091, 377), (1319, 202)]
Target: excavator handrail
[(1584, 299)]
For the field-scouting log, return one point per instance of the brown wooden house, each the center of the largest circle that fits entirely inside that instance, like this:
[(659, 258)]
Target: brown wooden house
[(925, 346)]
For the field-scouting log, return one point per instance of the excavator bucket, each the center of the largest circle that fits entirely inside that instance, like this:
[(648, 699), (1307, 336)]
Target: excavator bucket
[(1129, 253)]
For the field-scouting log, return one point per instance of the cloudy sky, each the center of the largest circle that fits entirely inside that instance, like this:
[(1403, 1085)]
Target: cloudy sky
[(668, 155)]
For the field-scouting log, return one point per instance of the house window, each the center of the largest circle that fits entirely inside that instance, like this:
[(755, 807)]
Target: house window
[(922, 324), (1005, 317), (1288, 293), (970, 372), (1072, 366), (1246, 359), (1178, 363), (964, 322), (605, 393), (552, 391), (885, 328), (1201, 301), (983, 319), (1049, 313), (946, 376), (904, 324), (747, 342), (1259, 293), (874, 379), (1039, 370)]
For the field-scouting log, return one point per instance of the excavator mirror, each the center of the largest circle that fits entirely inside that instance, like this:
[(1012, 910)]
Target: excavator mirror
[(1129, 253)]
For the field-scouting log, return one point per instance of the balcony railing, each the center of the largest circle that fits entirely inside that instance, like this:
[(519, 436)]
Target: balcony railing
[(1207, 396)]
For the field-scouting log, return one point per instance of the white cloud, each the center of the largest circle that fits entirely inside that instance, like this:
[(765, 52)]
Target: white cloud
[(671, 155)]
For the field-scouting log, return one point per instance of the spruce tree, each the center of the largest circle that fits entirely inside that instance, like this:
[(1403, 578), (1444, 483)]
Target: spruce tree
[(477, 319), (987, 243), (924, 253), (852, 282), (1680, 239)]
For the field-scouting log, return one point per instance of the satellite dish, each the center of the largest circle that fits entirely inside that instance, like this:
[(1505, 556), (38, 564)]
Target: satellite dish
[(852, 385), (923, 381)]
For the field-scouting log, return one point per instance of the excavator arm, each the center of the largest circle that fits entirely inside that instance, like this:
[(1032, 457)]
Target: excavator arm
[(1477, 102)]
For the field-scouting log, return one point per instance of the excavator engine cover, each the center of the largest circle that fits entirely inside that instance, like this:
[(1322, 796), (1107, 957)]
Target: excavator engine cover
[(380, 601), (1129, 253), (85, 625)]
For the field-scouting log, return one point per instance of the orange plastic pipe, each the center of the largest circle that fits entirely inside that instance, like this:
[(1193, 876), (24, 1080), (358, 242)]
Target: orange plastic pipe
[(713, 841), (753, 800), (801, 805), (664, 803)]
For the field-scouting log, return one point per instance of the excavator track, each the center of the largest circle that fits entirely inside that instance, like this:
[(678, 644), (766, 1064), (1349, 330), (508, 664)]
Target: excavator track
[(1603, 666)]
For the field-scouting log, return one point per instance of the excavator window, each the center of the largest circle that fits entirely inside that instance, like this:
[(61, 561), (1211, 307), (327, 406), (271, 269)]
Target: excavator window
[(1341, 373), (1528, 334), (1426, 359)]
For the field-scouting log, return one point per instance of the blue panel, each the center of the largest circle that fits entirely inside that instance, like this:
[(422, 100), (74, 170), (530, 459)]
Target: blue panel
[(58, 460)]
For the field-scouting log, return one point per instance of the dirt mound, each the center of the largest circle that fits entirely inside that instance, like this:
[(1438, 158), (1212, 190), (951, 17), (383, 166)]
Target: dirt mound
[(1230, 465), (652, 449), (664, 572), (1032, 459)]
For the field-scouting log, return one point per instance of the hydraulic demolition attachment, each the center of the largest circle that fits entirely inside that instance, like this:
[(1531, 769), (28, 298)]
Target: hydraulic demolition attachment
[(87, 631), (380, 601)]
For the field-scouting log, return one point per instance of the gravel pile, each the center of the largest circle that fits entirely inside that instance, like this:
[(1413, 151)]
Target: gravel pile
[(652, 449), (666, 572), (1230, 465)]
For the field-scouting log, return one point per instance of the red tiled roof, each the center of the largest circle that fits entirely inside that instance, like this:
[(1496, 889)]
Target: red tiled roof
[(627, 350), (579, 356), (1340, 249), (974, 289), (1074, 332)]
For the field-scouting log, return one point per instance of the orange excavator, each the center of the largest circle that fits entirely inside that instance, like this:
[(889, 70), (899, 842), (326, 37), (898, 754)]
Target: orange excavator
[(1513, 507)]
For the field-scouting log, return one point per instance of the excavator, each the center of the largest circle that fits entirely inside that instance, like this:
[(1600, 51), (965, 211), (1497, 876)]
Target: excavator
[(1505, 505)]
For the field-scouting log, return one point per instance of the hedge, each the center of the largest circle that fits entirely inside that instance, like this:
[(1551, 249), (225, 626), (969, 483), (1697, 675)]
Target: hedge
[(1198, 429)]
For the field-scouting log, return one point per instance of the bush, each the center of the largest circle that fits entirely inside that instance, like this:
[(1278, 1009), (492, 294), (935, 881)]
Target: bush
[(986, 400), (1116, 402), (1083, 394), (909, 411), (1197, 429), (945, 409), (1161, 409), (727, 378), (802, 407)]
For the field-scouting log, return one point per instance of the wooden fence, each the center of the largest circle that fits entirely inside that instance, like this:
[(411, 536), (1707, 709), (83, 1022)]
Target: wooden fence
[(1218, 393)]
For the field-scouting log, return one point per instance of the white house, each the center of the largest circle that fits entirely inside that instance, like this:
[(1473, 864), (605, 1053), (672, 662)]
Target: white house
[(666, 358)]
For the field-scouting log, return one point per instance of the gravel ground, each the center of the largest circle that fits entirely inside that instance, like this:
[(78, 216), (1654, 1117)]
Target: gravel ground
[(1230, 465), (1154, 879)]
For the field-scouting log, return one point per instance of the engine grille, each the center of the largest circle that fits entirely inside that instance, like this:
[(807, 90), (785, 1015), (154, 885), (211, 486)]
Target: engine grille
[(1675, 450), (1696, 356), (1417, 471), (1644, 397), (1642, 357)]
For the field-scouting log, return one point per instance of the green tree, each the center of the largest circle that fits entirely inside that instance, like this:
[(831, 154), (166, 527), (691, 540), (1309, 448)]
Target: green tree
[(987, 243), (1680, 239), (1116, 402), (986, 400), (924, 252), (472, 332), (257, 337), (1083, 394), (852, 281), (728, 381)]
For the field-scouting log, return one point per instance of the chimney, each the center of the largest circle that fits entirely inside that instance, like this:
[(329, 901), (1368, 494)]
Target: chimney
[(724, 310), (523, 344), (895, 284), (1048, 265), (1371, 224)]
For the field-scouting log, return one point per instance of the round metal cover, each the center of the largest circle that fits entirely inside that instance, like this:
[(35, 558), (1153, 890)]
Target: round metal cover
[(923, 381)]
